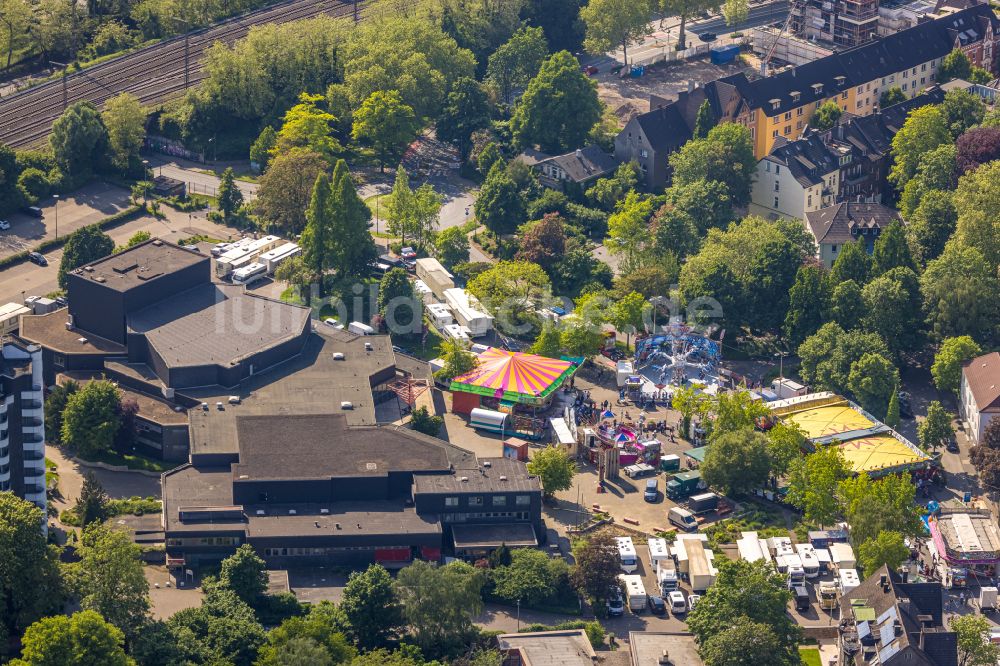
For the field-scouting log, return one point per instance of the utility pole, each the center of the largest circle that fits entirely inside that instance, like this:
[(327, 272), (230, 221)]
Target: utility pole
[(187, 50), (64, 68), (355, 11)]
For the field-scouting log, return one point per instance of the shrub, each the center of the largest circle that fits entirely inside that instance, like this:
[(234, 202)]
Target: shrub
[(34, 184)]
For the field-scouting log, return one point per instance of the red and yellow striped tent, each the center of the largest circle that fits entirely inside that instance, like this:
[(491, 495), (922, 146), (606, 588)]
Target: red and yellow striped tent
[(514, 376)]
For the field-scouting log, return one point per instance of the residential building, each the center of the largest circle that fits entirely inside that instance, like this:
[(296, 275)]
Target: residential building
[(846, 23), (979, 394), (578, 169), (22, 421), (660, 648), (569, 647), (893, 622), (780, 106), (313, 489), (847, 222), (795, 179)]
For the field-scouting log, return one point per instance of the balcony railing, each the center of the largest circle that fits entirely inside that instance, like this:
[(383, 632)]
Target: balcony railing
[(31, 404), (32, 438), (31, 421)]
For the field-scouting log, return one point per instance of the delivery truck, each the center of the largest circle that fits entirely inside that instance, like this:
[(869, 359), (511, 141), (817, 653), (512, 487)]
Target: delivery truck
[(666, 577), (828, 595), (684, 485), (701, 573)]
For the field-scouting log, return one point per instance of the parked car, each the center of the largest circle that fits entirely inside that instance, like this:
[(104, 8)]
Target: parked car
[(952, 446), (408, 253), (4, 225), (708, 36), (905, 405), (656, 605), (693, 601), (615, 604), (36, 258), (34, 211), (677, 602)]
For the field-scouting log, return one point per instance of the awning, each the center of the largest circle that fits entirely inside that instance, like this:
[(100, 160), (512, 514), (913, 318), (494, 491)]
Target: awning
[(697, 453), (493, 536), (392, 554)]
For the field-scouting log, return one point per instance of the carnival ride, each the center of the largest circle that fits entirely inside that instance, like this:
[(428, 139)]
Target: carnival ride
[(670, 360)]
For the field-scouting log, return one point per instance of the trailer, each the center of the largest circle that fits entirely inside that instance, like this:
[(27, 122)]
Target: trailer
[(434, 276), (701, 573), (277, 256), (440, 315), (848, 579), (703, 503), (842, 556), (468, 312), (684, 484), (243, 253), (659, 552), (807, 555), (824, 538), (635, 592), (626, 554), (801, 593), (489, 420), (670, 462), (358, 328), (423, 292), (752, 548), (10, 317)]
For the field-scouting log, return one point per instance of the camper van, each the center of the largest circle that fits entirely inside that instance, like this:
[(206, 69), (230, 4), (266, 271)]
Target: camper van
[(635, 592), (250, 274), (10, 317), (659, 552), (357, 328), (810, 563), (626, 553)]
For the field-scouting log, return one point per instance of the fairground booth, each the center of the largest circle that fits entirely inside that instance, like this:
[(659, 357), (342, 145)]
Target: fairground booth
[(867, 444), (967, 543), (507, 391)]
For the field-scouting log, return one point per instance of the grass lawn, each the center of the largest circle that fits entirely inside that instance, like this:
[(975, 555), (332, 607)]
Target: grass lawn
[(810, 656), (430, 350), (133, 461), (198, 238)]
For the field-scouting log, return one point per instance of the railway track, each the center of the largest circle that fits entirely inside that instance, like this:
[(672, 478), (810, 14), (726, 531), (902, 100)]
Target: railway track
[(153, 74)]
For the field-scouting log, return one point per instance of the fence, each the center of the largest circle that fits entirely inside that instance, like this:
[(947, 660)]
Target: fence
[(667, 52)]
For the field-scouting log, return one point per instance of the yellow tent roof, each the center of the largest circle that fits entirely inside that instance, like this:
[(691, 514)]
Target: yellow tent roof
[(875, 452), (829, 420)]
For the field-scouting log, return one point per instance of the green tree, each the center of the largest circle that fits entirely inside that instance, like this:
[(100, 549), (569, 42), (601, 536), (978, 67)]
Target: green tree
[(296, 639), (597, 568), (92, 504), (512, 66), (532, 577), (559, 107), (977, 202), (808, 304), (457, 358), (813, 482), (685, 9), (826, 116), (137, 238), (974, 645), (743, 594), (372, 607), (286, 189), (55, 403), (628, 314), (79, 141), (891, 251), (872, 380), (612, 23), (501, 557), (932, 224), (892, 413), (737, 462), (90, 420), (743, 643), (229, 195), (353, 246), (955, 65), (439, 603), (952, 355), (893, 308), (853, 263), (705, 119), (690, 402), (736, 411), (735, 12), (80, 639), (245, 573), (308, 127), (785, 443), (543, 241), (84, 246), (925, 129), (963, 110), (451, 246), (893, 95), (384, 121), (499, 205), (676, 232), (847, 305), (126, 128), (581, 339), (554, 468), (886, 549), (705, 201), (961, 294), (488, 157), (396, 302), (607, 192), (317, 237), (423, 421), (828, 356), (110, 579), (627, 231), (548, 341), (30, 583), (725, 155), (512, 291), (262, 147), (466, 110), (935, 430), (936, 170), (886, 505), (223, 630)]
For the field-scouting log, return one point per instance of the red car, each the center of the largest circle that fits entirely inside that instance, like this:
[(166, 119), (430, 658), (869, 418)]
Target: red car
[(590, 70)]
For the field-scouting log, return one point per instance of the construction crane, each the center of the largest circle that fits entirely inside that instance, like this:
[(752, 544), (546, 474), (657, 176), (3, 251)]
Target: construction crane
[(792, 6)]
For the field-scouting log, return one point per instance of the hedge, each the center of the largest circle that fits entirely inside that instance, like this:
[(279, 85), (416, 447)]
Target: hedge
[(119, 218), (136, 506)]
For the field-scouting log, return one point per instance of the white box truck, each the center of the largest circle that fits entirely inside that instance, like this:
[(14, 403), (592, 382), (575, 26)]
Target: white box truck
[(701, 573), (434, 276), (468, 312), (357, 328), (635, 592), (666, 577)]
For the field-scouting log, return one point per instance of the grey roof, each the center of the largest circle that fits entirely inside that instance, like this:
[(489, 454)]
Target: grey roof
[(551, 648), (494, 535), (584, 164), (807, 159), (489, 475), (141, 264), (838, 223), (214, 324), (647, 647), (50, 330), (324, 446)]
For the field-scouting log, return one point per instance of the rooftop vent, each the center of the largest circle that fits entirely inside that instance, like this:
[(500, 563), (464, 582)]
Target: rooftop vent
[(244, 476), (464, 479), (337, 525), (157, 242), (324, 512), (503, 478), (292, 512), (316, 523), (204, 406), (89, 269), (82, 341), (338, 356), (260, 512), (219, 406), (371, 467), (347, 404), (100, 278), (487, 463), (368, 346), (359, 526)]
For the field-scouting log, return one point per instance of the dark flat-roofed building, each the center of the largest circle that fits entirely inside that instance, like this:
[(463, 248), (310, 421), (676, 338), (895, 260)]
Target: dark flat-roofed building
[(315, 489)]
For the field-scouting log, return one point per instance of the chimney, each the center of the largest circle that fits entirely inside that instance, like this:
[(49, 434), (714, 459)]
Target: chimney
[(883, 580), (904, 574), (897, 627), (664, 659), (579, 154)]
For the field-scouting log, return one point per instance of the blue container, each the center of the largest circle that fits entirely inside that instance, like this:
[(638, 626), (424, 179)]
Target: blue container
[(720, 55)]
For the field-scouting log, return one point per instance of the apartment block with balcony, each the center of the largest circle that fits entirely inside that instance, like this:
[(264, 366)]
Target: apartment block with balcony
[(22, 421)]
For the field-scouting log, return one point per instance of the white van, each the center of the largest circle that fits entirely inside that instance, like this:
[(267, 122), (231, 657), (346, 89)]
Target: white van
[(358, 328), (682, 518)]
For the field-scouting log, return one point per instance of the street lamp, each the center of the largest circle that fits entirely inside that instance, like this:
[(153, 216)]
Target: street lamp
[(781, 363), (56, 197)]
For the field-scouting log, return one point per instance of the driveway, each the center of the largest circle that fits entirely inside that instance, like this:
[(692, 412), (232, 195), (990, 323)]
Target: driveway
[(194, 176), (118, 485)]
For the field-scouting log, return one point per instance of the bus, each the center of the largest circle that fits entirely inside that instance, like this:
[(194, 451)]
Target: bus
[(626, 553), (250, 274)]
